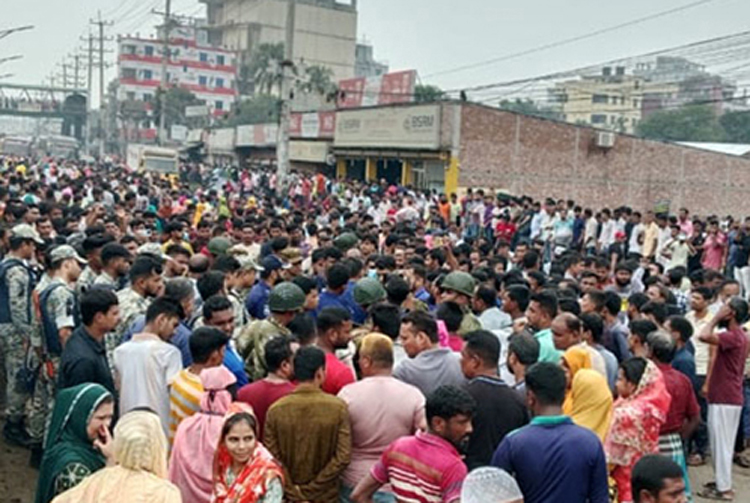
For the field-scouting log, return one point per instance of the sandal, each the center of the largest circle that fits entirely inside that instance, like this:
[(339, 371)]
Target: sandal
[(712, 493), (696, 460), (741, 461)]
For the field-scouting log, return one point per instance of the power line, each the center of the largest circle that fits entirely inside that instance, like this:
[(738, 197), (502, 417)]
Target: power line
[(571, 40)]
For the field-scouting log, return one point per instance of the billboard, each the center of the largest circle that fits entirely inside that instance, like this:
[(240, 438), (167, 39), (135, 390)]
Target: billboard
[(397, 87), (414, 127), (313, 125), (308, 151), (257, 135)]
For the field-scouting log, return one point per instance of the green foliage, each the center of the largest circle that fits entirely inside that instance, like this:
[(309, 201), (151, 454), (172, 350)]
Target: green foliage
[(736, 126), (319, 80), (528, 107), (177, 99), (263, 74), (260, 109), (428, 93), (688, 123)]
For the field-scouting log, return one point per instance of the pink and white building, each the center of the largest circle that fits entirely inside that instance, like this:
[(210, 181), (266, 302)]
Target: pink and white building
[(210, 73)]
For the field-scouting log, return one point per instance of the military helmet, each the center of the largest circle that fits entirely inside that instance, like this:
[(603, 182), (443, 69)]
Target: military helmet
[(346, 241), (368, 291), (219, 245), (460, 282), (286, 297)]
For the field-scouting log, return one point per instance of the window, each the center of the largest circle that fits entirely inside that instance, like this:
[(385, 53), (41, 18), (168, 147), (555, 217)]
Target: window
[(220, 59), (128, 49), (219, 82), (636, 104), (148, 75), (184, 69), (149, 50), (202, 80), (203, 57), (128, 73), (598, 119), (148, 96), (219, 105), (599, 98), (130, 95)]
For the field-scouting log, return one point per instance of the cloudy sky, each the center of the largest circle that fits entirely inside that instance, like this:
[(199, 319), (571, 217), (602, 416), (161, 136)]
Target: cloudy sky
[(432, 36)]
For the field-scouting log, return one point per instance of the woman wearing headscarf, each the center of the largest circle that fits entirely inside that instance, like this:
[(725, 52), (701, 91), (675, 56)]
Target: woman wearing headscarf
[(78, 440), (191, 463), (140, 451), (244, 470), (638, 414), (588, 400)]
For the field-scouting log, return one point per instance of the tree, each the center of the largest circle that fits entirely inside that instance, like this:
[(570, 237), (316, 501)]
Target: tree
[(528, 107), (736, 126), (428, 93), (319, 80), (177, 99), (260, 109), (263, 73), (689, 123)]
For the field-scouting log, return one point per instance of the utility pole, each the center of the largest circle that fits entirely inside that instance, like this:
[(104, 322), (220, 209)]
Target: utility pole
[(76, 66), (90, 68), (102, 130), (287, 84), (165, 57)]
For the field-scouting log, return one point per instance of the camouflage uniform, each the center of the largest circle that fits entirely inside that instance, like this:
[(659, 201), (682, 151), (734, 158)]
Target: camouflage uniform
[(251, 344), (132, 305), (241, 316), (104, 280), (60, 306), (85, 280), (469, 323), (16, 338)]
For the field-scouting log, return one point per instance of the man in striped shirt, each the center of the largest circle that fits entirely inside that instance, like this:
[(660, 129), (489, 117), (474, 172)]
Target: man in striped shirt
[(207, 346), (427, 467)]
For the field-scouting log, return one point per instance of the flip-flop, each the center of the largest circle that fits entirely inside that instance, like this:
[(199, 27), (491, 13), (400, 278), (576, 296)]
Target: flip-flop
[(741, 461), (713, 494), (696, 460)]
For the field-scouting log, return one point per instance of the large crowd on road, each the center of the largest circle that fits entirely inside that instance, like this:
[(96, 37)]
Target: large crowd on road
[(227, 335)]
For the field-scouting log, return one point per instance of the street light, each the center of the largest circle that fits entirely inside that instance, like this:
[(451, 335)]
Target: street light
[(10, 58), (8, 31)]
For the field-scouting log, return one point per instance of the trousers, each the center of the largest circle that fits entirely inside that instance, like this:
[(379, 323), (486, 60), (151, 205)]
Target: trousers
[(13, 346), (723, 421)]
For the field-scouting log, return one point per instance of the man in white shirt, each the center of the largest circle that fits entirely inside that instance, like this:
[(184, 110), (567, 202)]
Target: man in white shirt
[(637, 235), (607, 235), (147, 364)]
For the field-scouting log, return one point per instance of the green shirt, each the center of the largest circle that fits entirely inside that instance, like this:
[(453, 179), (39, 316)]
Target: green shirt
[(547, 351)]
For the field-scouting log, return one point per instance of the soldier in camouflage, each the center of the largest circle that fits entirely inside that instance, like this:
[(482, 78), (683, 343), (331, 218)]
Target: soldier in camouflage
[(57, 312), (92, 247), (17, 325), (146, 283), (284, 302), (459, 287), (115, 260)]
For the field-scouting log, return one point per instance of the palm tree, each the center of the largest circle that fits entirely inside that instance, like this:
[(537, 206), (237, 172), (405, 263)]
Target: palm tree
[(319, 80), (264, 69)]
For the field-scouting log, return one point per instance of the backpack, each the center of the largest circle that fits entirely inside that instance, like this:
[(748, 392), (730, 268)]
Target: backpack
[(50, 332), (5, 266)]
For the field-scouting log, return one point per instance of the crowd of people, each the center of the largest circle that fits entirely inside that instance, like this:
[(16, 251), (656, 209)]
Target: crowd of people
[(226, 336)]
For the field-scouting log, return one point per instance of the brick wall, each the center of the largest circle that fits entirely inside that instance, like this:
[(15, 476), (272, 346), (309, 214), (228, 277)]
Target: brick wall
[(540, 158)]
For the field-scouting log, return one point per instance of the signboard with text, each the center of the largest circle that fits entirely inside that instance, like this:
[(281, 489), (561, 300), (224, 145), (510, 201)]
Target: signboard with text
[(415, 127), (313, 125), (397, 87)]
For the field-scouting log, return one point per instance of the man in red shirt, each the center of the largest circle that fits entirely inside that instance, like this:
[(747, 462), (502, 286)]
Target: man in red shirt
[(334, 333), (260, 395), (683, 417), (724, 387), (427, 467)]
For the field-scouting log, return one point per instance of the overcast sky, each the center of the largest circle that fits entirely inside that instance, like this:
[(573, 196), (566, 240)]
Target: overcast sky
[(429, 35)]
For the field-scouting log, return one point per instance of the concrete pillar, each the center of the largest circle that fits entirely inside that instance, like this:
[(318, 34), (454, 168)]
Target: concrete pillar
[(371, 169), (451, 176), (340, 168)]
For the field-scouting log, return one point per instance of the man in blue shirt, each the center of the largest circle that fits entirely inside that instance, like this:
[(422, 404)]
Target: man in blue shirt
[(257, 300), (683, 361), (552, 459), (335, 293)]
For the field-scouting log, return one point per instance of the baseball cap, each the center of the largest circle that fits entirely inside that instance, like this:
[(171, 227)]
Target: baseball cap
[(25, 231), (247, 262), (64, 252), (292, 255), (273, 263)]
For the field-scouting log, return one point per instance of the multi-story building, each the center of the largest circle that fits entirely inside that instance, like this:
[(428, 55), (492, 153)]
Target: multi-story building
[(612, 100), (365, 63), (208, 72), (325, 31)]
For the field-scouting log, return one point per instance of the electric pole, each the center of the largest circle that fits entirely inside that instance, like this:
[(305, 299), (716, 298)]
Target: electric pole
[(101, 24), (287, 84), (90, 77), (165, 57)]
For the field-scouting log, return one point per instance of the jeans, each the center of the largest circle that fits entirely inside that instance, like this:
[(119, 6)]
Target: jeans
[(379, 497), (699, 440)]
